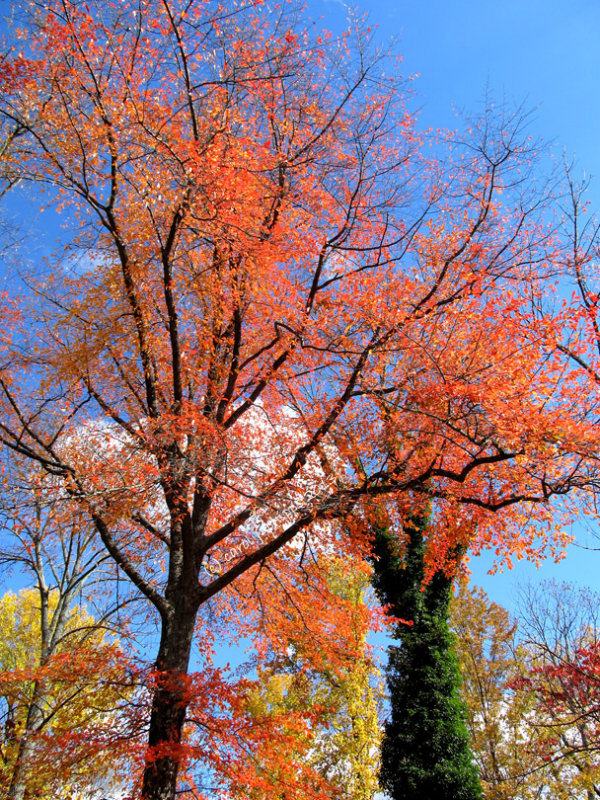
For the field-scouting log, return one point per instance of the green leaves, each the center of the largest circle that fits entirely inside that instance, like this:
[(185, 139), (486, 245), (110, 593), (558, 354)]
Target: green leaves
[(425, 750)]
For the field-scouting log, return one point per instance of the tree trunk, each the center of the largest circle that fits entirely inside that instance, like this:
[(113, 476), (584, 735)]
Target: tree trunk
[(18, 784), (169, 705), (26, 757)]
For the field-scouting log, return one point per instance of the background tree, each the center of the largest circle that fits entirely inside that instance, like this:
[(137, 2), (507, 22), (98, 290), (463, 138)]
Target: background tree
[(532, 698), (340, 700), (275, 284), (561, 630), (63, 733), (64, 678), (425, 749), (501, 738)]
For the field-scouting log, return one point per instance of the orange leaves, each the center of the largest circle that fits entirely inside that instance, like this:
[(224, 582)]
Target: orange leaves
[(285, 309), (308, 699)]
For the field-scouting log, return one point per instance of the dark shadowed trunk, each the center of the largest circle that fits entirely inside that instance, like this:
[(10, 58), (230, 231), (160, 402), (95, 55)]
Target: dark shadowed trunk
[(170, 700)]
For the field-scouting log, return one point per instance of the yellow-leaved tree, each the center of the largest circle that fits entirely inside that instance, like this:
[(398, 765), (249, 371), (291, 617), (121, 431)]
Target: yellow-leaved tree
[(60, 704), (489, 659), (532, 707), (339, 701)]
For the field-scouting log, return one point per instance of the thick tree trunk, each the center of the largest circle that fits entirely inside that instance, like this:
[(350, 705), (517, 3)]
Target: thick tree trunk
[(169, 705)]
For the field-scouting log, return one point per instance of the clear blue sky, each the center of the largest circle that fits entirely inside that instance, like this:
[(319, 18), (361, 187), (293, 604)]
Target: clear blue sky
[(542, 53)]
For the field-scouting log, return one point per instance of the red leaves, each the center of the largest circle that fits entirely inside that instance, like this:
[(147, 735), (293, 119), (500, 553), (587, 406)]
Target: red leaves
[(572, 681), (74, 711)]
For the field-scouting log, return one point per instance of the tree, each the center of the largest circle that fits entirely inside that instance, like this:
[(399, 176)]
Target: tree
[(560, 680), (269, 283), (60, 703), (64, 681), (339, 700), (498, 717), (425, 749), (532, 698), (567, 713)]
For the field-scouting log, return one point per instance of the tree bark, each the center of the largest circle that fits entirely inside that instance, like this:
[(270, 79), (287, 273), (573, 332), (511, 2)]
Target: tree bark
[(26, 757), (170, 702)]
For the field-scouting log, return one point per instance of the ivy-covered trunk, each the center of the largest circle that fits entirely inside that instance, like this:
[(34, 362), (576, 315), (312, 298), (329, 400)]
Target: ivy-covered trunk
[(426, 752)]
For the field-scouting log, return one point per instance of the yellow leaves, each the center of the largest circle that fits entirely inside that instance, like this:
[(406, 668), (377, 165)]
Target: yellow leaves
[(496, 716), (337, 693), (20, 629), (61, 708)]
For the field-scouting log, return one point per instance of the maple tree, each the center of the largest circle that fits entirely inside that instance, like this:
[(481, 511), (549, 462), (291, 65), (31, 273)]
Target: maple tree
[(560, 680), (276, 305), (567, 712)]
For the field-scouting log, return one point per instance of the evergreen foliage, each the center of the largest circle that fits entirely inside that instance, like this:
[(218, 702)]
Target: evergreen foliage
[(426, 751)]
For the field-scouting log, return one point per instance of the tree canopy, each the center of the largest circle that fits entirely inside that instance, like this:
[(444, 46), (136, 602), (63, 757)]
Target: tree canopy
[(279, 304)]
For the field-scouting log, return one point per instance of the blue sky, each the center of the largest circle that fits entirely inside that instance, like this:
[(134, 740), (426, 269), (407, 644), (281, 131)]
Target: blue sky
[(539, 53), (542, 53)]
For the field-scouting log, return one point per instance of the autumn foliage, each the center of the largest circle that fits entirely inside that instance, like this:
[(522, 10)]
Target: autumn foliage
[(502, 740), (64, 730), (277, 305), (531, 691)]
